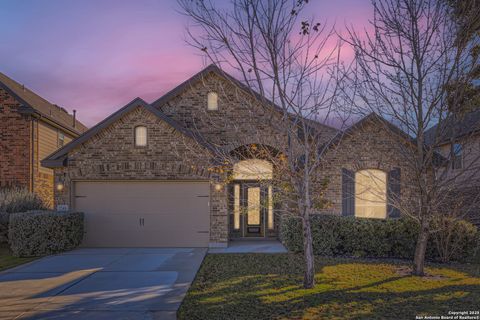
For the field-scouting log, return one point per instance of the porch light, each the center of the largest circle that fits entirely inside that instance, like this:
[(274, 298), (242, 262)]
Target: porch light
[(218, 187), (60, 186)]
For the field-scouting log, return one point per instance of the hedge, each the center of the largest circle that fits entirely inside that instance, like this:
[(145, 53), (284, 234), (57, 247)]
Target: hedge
[(14, 200), (375, 238), (37, 233)]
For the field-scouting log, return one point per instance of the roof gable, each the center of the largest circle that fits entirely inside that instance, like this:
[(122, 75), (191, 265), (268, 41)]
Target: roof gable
[(57, 158), (212, 68), (34, 103), (372, 117)]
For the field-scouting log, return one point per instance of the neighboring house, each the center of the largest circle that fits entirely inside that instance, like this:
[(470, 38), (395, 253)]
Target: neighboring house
[(142, 176), (31, 128), (458, 140)]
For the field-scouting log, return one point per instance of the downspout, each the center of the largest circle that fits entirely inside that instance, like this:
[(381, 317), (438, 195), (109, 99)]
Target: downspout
[(32, 178)]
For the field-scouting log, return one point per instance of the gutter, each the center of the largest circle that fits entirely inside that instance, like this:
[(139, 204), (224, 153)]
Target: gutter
[(55, 163), (32, 141)]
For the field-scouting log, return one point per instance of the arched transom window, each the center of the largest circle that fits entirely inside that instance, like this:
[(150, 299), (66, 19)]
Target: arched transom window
[(253, 169), (371, 194), (140, 136)]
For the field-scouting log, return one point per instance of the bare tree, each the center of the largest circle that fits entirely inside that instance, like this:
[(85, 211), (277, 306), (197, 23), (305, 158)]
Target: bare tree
[(411, 69), (289, 65)]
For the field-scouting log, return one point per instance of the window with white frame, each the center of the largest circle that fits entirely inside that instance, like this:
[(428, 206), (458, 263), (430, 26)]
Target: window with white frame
[(140, 136), (61, 139), (212, 101), (371, 194)]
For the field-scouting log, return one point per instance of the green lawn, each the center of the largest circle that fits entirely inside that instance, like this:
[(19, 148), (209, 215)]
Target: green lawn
[(268, 286), (9, 261)]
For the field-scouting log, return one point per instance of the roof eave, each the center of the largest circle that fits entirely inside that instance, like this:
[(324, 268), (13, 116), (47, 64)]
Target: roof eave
[(54, 163), (26, 108)]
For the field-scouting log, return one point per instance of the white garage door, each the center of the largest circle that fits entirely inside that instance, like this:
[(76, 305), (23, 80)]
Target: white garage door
[(144, 214)]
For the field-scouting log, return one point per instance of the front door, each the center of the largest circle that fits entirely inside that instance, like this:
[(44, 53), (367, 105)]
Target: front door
[(253, 203)]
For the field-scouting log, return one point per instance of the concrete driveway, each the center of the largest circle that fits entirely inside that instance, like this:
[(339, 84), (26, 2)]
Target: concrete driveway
[(87, 283)]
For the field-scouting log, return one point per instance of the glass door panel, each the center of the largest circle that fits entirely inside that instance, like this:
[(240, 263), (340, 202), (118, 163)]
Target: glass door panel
[(253, 204)]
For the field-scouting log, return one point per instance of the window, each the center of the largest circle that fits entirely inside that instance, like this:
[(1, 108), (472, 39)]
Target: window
[(457, 160), (253, 169), (371, 194), (236, 206), (61, 139), (140, 136), (270, 208), (212, 101)]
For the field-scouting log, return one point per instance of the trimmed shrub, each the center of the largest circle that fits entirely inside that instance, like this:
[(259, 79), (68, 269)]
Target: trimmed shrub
[(16, 200), (375, 238), (452, 239), (4, 219), (37, 233)]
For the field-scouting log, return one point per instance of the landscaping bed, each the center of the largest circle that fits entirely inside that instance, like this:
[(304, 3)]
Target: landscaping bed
[(268, 286)]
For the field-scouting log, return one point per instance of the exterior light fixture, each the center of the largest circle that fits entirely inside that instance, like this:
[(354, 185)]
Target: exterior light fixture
[(218, 187), (60, 186)]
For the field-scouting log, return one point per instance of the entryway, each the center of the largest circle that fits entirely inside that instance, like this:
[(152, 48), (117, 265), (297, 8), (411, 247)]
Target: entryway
[(251, 203)]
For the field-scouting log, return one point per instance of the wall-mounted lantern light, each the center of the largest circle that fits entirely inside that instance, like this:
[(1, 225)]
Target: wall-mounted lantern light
[(60, 186)]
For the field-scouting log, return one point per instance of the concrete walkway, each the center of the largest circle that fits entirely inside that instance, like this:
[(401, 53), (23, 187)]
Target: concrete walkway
[(244, 246), (116, 283)]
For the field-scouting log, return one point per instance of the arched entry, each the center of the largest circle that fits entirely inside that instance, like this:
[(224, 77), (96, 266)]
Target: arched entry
[(252, 210)]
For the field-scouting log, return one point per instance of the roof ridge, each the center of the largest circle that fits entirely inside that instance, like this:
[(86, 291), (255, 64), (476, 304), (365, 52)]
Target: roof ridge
[(39, 104)]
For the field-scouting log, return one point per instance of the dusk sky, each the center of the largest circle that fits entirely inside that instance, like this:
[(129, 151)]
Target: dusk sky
[(96, 55)]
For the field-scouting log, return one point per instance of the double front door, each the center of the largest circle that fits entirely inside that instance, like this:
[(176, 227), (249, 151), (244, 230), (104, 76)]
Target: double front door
[(251, 210)]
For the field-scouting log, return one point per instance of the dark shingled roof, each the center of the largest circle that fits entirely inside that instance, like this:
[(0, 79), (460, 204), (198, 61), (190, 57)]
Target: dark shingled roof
[(454, 128), (34, 102)]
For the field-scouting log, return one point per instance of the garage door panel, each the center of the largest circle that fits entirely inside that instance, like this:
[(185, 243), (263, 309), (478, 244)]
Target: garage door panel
[(173, 213)]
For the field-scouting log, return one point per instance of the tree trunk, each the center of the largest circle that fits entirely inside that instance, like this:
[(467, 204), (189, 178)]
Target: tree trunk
[(309, 277), (420, 249)]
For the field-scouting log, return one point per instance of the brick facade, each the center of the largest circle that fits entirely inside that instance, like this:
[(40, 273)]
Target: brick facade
[(15, 144), (20, 156), (368, 147), (239, 120), (170, 155)]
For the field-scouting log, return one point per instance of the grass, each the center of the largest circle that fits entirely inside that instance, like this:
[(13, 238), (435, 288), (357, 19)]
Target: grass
[(8, 261), (268, 286)]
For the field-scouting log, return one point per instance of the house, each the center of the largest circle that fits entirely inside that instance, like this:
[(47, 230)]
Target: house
[(143, 176), (31, 128), (457, 139)]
